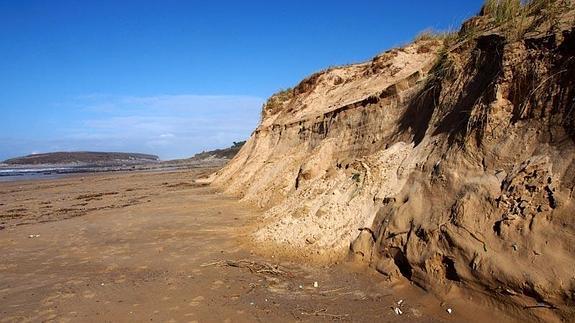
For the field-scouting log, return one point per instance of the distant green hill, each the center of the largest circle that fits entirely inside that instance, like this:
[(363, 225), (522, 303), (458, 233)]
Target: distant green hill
[(84, 157)]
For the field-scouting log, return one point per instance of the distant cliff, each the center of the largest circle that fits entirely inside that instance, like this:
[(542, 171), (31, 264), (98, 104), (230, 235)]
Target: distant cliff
[(82, 157)]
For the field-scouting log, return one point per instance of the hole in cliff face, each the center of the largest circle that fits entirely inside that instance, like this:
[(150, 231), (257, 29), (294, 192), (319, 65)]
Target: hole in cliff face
[(450, 271), (401, 262), (551, 197), (388, 200), (422, 234), (297, 179), (529, 291), (497, 227)]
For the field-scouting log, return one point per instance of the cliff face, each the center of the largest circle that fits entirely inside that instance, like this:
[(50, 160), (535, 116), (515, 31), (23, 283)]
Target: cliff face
[(323, 149), (448, 161)]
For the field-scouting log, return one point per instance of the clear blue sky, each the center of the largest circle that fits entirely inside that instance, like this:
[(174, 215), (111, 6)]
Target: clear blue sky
[(176, 77)]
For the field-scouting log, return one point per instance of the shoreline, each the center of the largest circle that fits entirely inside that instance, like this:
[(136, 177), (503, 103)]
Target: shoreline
[(11, 173)]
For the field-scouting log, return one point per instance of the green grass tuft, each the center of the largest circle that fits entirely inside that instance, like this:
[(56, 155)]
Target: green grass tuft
[(278, 99), (431, 34), (516, 17)]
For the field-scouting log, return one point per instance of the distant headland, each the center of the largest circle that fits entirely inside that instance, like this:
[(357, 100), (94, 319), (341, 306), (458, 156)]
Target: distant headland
[(82, 157)]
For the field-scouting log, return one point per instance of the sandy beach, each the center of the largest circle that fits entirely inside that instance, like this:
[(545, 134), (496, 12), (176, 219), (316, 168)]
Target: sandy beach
[(158, 247)]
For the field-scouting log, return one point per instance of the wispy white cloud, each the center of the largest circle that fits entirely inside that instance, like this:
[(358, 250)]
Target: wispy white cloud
[(158, 103), (172, 126)]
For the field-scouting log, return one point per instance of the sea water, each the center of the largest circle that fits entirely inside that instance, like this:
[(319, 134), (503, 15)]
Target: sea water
[(8, 174)]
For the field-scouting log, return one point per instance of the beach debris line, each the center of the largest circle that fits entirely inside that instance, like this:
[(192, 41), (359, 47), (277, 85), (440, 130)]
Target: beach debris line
[(323, 312), (397, 310), (254, 267)]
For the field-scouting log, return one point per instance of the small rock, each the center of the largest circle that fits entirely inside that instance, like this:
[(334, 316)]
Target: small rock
[(545, 208), (510, 292), (510, 217), (449, 310), (415, 312), (397, 311), (310, 240), (500, 175), (387, 267), (399, 302), (315, 284), (514, 246), (363, 245)]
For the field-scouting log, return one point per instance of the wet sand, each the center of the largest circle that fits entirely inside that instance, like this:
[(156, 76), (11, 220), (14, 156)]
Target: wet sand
[(157, 247)]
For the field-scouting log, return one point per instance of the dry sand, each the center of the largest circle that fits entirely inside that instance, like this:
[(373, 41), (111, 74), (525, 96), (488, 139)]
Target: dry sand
[(154, 246)]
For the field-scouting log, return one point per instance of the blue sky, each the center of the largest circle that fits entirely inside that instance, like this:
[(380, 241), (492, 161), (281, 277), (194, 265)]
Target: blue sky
[(177, 77)]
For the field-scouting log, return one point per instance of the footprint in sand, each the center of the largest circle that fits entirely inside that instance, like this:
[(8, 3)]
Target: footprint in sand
[(217, 284), (68, 295), (88, 294), (196, 301)]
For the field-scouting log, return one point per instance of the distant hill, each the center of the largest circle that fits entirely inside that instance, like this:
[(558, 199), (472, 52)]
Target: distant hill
[(82, 157)]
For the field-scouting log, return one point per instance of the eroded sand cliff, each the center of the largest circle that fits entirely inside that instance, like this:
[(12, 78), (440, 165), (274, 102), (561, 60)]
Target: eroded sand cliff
[(448, 161)]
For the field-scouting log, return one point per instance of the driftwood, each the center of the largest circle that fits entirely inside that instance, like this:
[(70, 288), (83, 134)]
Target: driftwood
[(323, 312), (255, 267)]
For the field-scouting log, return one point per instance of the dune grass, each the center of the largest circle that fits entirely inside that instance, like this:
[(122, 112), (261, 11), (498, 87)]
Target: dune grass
[(431, 34), (516, 17)]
